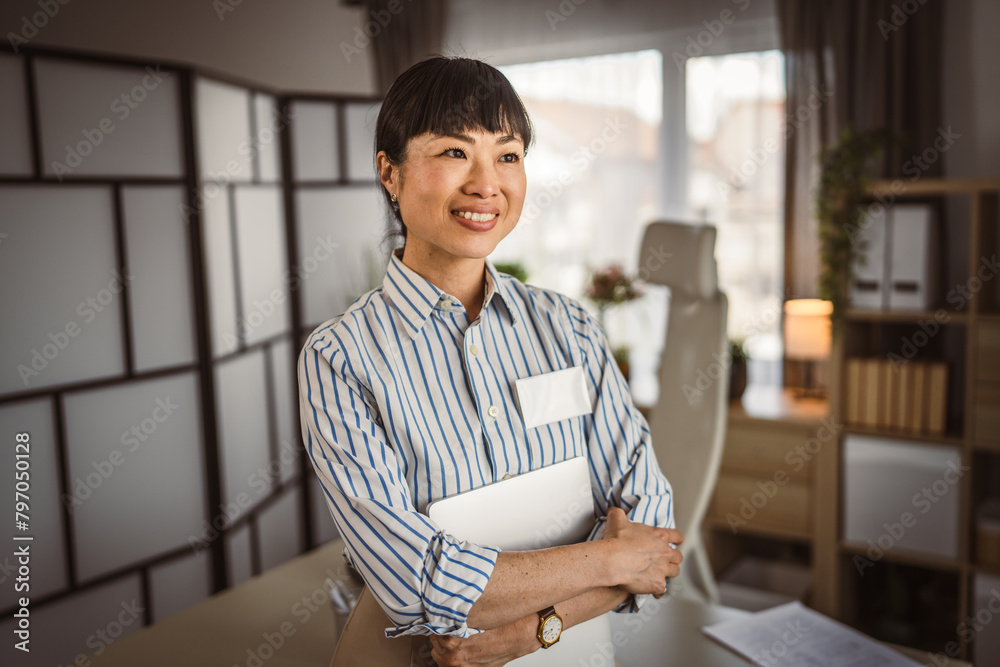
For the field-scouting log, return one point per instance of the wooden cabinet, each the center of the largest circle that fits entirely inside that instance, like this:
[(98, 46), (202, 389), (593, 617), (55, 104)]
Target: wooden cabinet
[(986, 405), (765, 491)]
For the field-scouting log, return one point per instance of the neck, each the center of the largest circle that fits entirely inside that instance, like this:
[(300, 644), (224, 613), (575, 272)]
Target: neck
[(461, 277)]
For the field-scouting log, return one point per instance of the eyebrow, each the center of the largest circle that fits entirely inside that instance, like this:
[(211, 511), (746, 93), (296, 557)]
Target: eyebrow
[(506, 139)]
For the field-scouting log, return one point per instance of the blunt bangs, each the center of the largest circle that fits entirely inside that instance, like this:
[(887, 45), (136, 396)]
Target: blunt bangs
[(449, 96)]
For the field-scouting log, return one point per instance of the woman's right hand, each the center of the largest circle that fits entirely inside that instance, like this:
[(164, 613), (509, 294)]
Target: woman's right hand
[(643, 556)]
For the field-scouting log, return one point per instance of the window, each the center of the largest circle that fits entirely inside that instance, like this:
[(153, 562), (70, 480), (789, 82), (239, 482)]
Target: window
[(736, 156), (593, 185), (592, 173), (595, 179)]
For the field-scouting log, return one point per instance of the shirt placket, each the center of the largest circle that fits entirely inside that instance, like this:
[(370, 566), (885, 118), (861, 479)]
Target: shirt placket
[(501, 446)]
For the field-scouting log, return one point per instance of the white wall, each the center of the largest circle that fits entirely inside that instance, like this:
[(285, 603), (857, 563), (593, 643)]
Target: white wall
[(291, 45), (519, 31), (532, 30)]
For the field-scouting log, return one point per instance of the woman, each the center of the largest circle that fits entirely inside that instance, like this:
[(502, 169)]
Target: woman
[(409, 397)]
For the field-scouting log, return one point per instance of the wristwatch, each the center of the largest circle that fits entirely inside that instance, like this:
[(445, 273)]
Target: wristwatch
[(550, 627)]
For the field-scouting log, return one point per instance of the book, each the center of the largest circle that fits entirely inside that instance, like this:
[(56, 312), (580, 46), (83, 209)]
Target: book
[(904, 399), (937, 397), (918, 413), (883, 393), (869, 391), (892, 389), (853, 398)]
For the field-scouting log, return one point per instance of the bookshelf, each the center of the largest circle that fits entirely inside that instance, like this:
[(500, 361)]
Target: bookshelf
[(940, 589)]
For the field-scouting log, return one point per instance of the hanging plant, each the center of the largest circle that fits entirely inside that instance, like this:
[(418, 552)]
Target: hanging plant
[(842, 191)]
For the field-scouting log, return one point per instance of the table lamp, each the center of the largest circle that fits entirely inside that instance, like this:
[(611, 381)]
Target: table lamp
[(808, 337)]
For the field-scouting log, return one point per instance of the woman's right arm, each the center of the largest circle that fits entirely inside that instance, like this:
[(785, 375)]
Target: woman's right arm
[(425, 580)]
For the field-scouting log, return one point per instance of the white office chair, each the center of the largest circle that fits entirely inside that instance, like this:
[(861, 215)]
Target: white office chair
[(688, 422)]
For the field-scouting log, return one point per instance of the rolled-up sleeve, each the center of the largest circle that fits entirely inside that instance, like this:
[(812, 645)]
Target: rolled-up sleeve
[(425, 580), (619, 442)]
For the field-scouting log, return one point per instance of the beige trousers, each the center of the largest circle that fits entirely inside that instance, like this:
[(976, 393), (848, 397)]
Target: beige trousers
[(363, 642)]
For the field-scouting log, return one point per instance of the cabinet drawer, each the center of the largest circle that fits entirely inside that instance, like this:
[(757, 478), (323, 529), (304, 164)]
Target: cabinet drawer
[(762, 502), (767, 447), (988, 348), (986, 413)]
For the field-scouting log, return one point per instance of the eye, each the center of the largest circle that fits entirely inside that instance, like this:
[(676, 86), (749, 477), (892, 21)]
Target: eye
[(454, 152), (511, 157)]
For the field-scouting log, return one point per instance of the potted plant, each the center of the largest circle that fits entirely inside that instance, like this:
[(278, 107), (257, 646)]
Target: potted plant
[(737, 369), (842, 190), (515, 269)]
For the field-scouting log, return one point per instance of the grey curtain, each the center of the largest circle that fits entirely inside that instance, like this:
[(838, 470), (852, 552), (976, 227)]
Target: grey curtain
[(860, 63), (410, 31)]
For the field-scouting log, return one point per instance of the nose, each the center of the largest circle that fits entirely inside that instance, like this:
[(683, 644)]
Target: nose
[(482, 178)]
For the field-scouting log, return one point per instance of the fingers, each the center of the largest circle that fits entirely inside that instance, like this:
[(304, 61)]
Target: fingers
[(445, 642), (616, 517), (673, 535), (445, 651)]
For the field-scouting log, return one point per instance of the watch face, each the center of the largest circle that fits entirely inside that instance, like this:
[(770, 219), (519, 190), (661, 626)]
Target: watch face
[(551, 629)]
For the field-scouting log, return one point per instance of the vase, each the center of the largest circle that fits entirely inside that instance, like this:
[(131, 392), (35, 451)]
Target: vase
[(737, 379)]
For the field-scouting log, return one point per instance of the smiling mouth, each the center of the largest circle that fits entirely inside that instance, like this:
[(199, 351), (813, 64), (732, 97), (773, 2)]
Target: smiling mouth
[(475, 217)]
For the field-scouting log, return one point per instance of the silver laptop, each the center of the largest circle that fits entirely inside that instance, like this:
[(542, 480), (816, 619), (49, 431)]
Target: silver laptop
[(548, 507)]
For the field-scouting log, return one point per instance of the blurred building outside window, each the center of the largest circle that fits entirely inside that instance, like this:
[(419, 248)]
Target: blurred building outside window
[(593, 185), (595, 178), (736, 156)]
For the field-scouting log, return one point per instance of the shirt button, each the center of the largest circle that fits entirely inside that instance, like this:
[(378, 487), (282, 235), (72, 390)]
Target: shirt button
[(493, 411), (446, 304), (474, 350)]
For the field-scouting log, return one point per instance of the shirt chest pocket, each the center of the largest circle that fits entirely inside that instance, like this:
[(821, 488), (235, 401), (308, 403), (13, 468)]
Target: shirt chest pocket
[(551, 397)]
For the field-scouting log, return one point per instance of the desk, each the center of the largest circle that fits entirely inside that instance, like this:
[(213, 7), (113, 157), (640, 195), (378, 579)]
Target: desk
[(670, 633), (234, 627), (227, 628)]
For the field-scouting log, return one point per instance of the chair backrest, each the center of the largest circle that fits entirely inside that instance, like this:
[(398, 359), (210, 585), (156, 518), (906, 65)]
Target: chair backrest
[(688, 423)]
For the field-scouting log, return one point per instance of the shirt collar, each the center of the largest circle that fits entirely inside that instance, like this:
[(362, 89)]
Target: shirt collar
[(415, 297)]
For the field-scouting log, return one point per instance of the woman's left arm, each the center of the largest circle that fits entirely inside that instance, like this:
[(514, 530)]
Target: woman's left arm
[(619, 441)]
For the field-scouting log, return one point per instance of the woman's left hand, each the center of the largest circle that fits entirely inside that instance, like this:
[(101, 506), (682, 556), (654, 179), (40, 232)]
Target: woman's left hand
[(492, 648)]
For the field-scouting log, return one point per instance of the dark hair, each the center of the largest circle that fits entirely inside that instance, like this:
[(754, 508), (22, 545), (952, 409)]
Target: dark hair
[(445, 95)]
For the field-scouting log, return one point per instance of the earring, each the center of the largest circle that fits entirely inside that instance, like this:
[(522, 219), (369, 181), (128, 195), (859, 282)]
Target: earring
[(393, 197)]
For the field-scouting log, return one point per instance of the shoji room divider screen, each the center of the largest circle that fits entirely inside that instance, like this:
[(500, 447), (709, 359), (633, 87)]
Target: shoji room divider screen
[(167, 240)]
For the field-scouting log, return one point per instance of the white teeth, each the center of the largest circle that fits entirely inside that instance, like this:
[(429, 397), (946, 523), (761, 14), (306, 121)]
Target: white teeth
[(476, 217)]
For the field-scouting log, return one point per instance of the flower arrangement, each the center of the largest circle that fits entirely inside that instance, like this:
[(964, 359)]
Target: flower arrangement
[(612, 287)]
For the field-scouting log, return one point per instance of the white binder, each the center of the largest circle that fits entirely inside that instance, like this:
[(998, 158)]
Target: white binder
[(867, 291), (893, 265), (911, 273), (551, 506)]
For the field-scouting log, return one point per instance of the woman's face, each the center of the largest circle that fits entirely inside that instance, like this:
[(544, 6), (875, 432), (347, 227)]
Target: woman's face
[(459, 194)]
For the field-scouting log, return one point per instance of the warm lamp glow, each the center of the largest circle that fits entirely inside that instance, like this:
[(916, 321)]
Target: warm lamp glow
[(807, 329)]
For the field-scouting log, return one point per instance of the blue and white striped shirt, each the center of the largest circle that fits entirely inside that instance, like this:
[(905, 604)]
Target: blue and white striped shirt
[(404, 401)]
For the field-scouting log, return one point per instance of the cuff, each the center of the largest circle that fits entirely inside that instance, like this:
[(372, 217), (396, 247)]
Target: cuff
[(454, 576), (632, 604), (597, 532)]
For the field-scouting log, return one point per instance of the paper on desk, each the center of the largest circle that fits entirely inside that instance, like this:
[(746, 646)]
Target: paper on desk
[(794, 635)]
